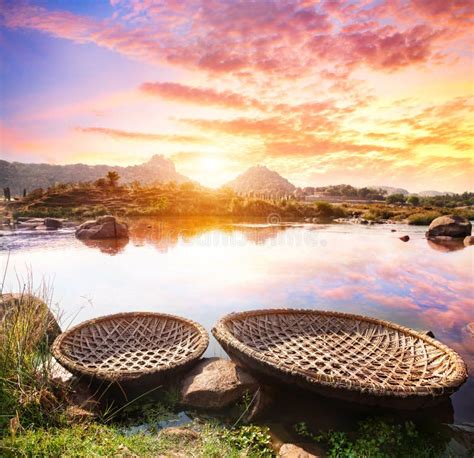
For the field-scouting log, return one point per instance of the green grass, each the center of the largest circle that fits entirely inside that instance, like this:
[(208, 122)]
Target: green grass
[(379, 438), (28, 394), (33, 420), (96, 439), (423, 219)]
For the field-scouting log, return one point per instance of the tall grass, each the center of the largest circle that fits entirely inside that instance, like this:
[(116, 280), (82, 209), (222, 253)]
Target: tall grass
[(29, 396)]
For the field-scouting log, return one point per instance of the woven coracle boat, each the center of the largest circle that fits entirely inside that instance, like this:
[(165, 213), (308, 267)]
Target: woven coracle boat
[(346, 356), (131, 347)]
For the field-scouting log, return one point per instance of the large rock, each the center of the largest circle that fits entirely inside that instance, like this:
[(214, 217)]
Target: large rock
[(216, 383), (104, 227), (14, 307), (449, 226), (53, 223)]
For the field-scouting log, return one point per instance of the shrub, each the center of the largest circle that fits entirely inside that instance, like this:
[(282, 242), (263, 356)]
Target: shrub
[(396, 198), (327, 210), (413, 200), (422, 219), (375, 437)]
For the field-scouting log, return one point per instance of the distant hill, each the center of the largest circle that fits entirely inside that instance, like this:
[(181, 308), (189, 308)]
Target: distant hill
[(392, 190), (19, 176), (260, 179), (432, 193)]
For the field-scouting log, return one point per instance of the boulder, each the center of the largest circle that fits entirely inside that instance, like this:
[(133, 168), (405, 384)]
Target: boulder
[(216, 383), (12, 306), (104, 227), (469, 240), (300, 451), (53, 223), (404, 238), (449, 226)]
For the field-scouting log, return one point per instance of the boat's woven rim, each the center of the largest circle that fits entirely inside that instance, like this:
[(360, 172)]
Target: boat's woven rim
[(74, 366), (224, 336)]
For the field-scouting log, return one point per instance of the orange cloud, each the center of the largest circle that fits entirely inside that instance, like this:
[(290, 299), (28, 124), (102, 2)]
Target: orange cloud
[(196, 95)]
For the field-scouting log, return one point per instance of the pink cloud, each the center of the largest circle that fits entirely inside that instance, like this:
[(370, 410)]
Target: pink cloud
[(196, 95), (288, 38)]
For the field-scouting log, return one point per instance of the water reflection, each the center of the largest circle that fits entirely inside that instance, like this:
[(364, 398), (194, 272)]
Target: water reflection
[(107, 246), (203, 269), (445, 246)]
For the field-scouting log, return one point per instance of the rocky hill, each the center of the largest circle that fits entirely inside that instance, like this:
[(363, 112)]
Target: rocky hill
[(19, 176), (261, 180), (391, 190)]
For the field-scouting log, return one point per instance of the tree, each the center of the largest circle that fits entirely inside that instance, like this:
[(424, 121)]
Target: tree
[(413, 200), (398, 198), (113, 178), (101, 183)]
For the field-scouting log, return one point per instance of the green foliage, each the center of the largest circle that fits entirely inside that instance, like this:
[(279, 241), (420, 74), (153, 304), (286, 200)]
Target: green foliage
[(398, 198), (81, 441), (377, 214), (413, 200), (377, 438), (422, 219), (95, 439), (350, 192), (449, 200), (255, 439), (28, 394), (100, 183), (327, 210)]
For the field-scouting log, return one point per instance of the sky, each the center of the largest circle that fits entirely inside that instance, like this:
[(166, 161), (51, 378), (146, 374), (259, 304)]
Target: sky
[(324, 92)]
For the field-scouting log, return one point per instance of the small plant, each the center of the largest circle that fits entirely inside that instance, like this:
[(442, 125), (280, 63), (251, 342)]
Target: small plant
[(378, 439), (254, 439)]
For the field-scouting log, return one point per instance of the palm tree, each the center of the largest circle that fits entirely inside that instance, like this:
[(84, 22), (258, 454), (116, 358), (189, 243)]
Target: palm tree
[(113, 178)]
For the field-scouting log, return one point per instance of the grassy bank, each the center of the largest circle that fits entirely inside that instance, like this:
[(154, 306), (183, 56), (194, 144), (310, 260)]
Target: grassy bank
[(36, 420), (413, 215), (36, 407)]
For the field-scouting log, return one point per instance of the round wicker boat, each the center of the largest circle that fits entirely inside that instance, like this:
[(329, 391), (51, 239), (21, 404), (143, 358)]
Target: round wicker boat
[(131, 347), (346, 356)]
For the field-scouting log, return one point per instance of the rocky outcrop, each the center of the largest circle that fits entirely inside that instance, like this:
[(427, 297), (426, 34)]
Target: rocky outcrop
[(104, 227), (216, 383), (14, 307), (451, 226)]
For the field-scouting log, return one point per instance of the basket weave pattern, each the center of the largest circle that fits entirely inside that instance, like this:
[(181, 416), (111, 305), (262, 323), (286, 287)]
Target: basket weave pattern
[(130, 344), (345, 351)]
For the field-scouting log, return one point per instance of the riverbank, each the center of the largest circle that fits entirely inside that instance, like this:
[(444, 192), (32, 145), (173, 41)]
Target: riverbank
[(48, 415), (88, 201)]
